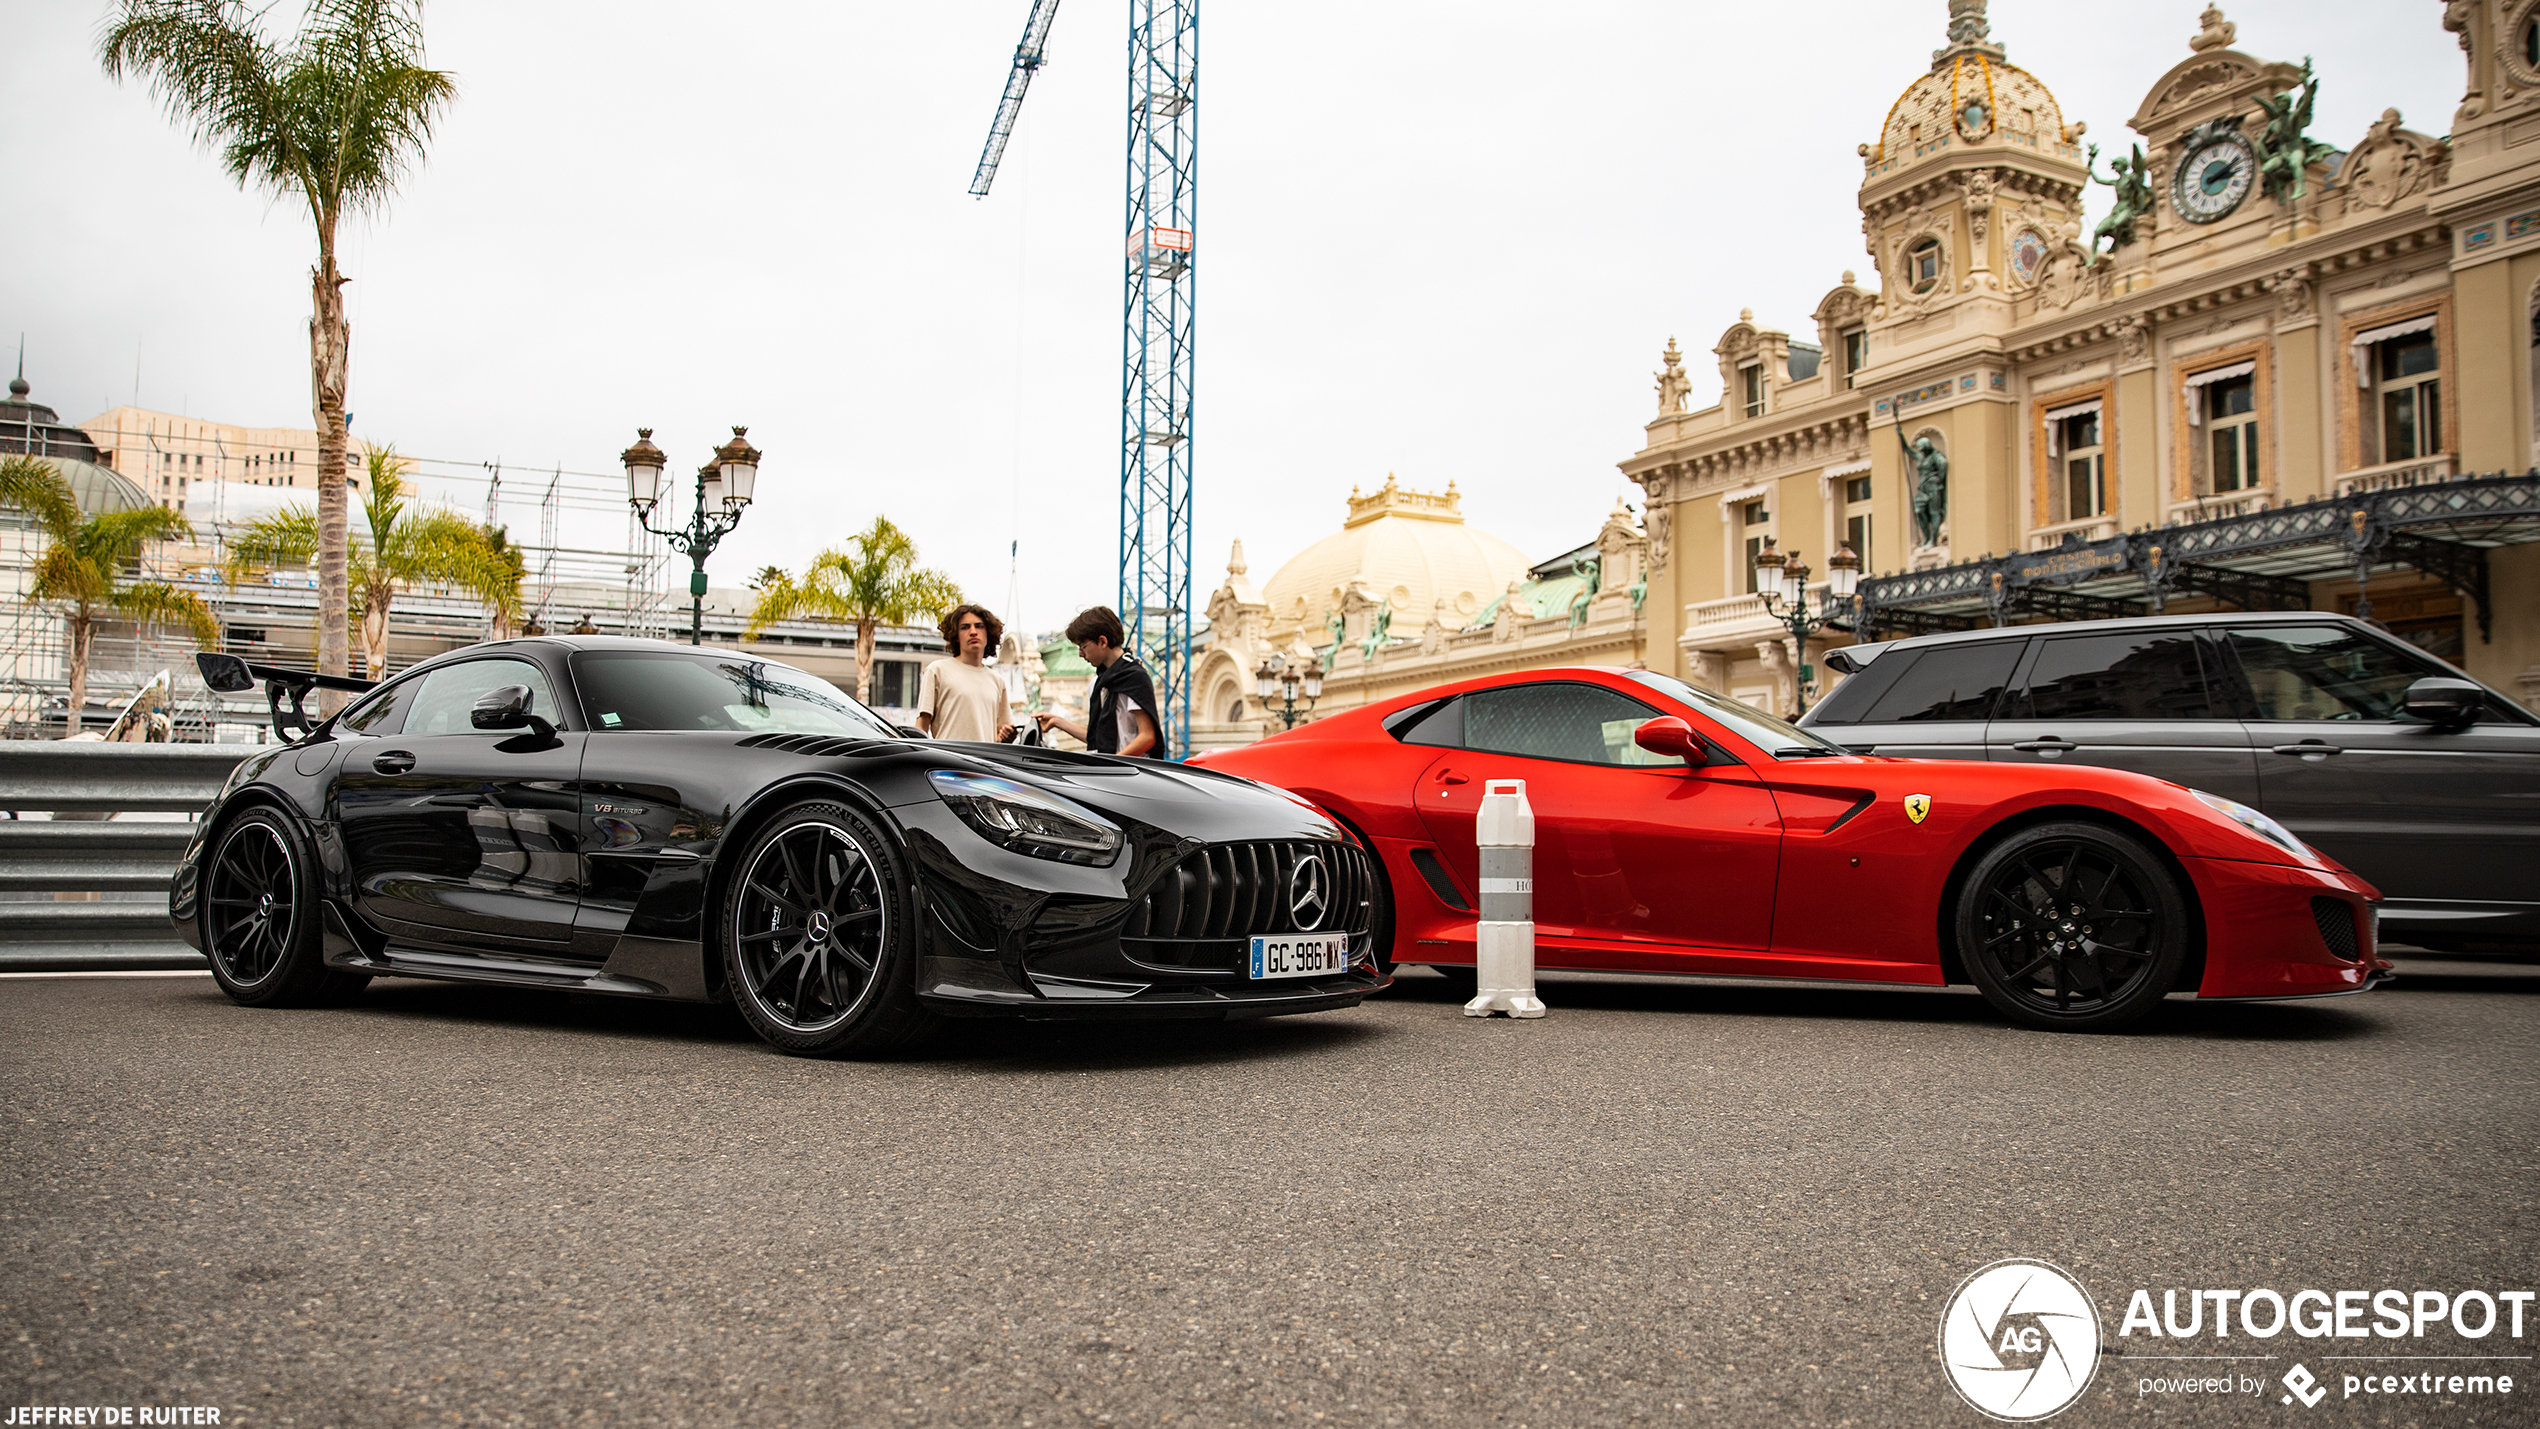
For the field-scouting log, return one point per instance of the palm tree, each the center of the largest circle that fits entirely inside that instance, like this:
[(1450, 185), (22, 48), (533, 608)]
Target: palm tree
[(404, 546), (88, 562), (876, 583), (334, 119)]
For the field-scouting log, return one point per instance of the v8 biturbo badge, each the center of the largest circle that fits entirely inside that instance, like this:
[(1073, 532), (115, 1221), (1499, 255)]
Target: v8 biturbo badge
[(1917, 807)]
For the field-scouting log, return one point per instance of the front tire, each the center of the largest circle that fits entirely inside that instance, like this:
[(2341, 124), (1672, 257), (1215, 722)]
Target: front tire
[(259, 917), (819, 936), (2073, 927)]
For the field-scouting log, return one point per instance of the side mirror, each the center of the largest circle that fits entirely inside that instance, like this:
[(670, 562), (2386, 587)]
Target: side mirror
[(1670, 735), (507, 707), (2444, 702), (909, 731), (226, 674)]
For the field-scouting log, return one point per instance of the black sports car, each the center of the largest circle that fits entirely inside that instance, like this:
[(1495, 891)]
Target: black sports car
[(628, 816)]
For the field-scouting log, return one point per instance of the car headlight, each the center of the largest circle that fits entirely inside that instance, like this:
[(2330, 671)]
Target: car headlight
[(1026, 820), (2255, 822)]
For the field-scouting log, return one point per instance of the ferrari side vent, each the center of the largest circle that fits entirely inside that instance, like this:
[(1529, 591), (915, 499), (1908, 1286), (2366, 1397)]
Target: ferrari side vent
[(2337, 926), (1238, 890)]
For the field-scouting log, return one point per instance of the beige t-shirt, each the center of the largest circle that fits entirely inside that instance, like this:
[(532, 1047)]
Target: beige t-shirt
[(967, 701)]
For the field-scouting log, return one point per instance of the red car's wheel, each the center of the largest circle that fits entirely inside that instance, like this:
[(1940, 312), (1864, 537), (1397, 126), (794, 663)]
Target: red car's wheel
[(2073, 927)]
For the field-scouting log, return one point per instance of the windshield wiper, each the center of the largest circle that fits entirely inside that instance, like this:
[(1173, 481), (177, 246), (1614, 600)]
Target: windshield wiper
[(1808, 751)]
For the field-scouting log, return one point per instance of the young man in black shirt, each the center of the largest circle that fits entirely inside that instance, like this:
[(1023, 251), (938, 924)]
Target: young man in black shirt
[(1120, 713)]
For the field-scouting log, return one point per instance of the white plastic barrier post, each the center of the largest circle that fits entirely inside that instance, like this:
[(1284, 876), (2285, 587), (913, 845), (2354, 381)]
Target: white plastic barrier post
[(1505, 946)]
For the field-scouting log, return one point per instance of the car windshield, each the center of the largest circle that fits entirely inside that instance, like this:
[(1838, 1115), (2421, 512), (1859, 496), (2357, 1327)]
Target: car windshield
[(647, 689), (1778, 738)]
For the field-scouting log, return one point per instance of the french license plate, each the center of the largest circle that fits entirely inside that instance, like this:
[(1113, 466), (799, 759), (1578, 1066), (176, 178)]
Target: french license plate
[(1300, 955)]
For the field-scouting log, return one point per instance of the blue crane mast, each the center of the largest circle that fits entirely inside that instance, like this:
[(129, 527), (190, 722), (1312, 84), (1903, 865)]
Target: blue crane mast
[(1158, 304)]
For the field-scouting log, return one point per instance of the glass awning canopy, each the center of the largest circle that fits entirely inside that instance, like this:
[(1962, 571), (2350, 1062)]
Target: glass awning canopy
[(2262, 560)]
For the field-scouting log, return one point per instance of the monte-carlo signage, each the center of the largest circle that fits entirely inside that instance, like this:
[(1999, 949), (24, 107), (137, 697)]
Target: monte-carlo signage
[(2064, 565)]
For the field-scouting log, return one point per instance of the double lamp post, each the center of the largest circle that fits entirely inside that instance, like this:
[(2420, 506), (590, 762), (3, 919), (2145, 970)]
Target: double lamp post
[(724, 488), (1782, 582)]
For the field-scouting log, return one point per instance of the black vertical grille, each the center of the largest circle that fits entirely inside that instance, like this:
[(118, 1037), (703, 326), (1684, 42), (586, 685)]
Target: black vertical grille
[(1238, 890), (2337, 925)]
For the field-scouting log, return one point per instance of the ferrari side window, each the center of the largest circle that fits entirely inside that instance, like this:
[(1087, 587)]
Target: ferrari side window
[(452, 690), (1440, 724), (2147, 675), (1948, 682), (1583, 724)]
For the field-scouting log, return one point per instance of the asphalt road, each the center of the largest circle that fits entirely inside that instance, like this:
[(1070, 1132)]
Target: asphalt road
[(1666, 1203)]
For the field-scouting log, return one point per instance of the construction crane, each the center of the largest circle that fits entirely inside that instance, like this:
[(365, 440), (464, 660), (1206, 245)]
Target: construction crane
[(1158, 292)]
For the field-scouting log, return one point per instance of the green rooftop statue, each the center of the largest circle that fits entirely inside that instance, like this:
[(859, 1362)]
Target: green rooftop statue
[(2133, 183), (2286, 155), (1379, 632)]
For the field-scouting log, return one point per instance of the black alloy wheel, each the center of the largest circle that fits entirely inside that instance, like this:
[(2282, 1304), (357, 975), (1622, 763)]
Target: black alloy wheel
[(2073, 926), (819, 934), (260, 917)]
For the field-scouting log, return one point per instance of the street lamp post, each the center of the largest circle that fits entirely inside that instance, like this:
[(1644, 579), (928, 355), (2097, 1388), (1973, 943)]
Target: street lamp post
[(1278, 677), (1783, 582), (725, 486)]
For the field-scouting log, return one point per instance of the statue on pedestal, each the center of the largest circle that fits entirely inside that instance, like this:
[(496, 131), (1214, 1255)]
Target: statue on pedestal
[(1930, 484)]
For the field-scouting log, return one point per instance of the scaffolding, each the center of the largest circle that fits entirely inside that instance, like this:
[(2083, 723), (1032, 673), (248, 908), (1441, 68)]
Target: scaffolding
[(592, 563)]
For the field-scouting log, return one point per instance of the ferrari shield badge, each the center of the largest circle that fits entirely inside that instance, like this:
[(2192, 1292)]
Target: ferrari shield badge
[(1917, 807)]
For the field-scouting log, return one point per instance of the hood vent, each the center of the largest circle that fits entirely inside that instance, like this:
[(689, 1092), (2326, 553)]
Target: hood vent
[(816, 746)]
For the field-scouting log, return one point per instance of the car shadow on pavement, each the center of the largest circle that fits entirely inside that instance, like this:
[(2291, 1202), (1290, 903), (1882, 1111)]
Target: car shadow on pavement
[(972, 1042), (2331, 1019)]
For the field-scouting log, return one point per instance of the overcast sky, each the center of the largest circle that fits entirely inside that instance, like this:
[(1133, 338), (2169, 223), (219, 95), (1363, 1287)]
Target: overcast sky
[(1446, 240)]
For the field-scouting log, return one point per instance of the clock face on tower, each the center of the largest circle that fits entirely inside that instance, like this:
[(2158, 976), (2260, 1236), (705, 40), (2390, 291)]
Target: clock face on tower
[(2213, 178)]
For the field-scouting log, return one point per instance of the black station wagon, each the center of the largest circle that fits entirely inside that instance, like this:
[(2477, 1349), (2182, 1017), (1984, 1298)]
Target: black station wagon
[(2396, 764)]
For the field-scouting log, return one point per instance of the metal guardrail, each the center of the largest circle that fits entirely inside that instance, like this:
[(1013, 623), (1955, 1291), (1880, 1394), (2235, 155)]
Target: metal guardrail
[(83, 891)]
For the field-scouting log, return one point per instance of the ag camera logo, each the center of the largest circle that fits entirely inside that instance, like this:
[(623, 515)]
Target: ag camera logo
[(2019, 1341)]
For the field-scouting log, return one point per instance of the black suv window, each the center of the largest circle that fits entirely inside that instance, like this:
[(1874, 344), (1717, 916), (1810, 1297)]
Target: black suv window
[(2325, 672), (2143, 675), (1947, 682), (1584, 724)]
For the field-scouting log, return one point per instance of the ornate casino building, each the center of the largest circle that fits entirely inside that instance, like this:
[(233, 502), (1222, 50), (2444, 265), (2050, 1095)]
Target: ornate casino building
[(2289, 370)]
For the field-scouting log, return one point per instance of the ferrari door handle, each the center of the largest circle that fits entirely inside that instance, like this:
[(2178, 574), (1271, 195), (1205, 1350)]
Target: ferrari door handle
[(2049, 745), (395, 761), (2310, 749), (1449, 776)]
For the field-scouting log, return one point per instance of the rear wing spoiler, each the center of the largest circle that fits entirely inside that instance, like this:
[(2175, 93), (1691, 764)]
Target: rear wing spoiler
[(230, 675)]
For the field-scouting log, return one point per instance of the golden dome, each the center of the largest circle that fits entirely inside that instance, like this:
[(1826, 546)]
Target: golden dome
[(1972, 98), (1409, 548)]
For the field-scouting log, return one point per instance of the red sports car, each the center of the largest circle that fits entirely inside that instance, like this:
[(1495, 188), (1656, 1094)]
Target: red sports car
[(1681, 832)]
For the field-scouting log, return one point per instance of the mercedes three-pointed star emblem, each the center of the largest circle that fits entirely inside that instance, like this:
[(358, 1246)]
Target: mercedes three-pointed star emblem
[(1309, 892)]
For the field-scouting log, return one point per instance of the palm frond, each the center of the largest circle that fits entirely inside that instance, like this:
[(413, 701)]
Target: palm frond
[(157, 600), (876, 579), (288, 537), (115, 539), (790, 599), (205, 63), (33, 486), (386, 496), (61, 574), (371, 102)]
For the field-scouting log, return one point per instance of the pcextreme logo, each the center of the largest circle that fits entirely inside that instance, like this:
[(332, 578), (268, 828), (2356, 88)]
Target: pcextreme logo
[(2019, 1340)]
